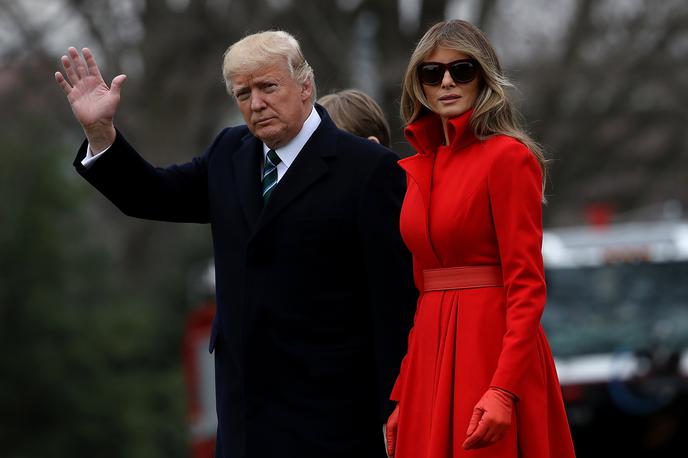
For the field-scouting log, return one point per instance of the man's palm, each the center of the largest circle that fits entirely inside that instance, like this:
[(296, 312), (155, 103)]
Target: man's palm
[(93, 103)]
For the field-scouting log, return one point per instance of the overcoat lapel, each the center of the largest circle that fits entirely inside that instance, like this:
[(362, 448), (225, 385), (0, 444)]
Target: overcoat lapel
[(308, 167), (424, 135), (419, 170), (247, 163)]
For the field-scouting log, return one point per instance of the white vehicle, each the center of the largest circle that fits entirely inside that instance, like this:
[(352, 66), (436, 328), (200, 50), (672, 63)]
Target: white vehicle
[(617, 321)]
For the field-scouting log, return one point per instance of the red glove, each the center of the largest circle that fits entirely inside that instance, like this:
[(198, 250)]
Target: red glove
[(490, 420), (391, 432)]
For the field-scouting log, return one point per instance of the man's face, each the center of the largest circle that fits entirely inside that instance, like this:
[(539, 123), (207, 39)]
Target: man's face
[(272, 103)]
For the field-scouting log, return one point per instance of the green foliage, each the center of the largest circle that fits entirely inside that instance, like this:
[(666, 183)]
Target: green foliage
[(90, 366)]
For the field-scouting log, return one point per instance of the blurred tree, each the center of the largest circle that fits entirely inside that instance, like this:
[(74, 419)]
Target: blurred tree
[(88, 367), (611, 105)]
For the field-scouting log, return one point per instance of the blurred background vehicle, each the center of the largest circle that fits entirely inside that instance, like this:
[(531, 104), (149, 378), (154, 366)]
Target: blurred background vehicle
[(617, 320)]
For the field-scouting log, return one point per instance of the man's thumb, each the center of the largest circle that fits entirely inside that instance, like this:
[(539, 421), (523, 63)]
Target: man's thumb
[(117, 82)]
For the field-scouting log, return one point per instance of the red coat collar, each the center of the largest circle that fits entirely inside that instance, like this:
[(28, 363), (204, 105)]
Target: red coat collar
[(426, 134)]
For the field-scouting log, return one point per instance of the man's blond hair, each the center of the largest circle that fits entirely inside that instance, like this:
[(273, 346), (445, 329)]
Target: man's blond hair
[(265, 48)]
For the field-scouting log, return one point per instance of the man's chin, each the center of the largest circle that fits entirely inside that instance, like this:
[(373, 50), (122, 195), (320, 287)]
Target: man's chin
[(270, 137)]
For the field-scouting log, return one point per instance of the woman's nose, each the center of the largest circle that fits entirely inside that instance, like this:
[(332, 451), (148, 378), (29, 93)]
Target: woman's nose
[(447, 80)]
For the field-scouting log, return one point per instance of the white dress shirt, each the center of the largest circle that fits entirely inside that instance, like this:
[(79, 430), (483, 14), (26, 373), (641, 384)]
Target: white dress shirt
[(288, 152)]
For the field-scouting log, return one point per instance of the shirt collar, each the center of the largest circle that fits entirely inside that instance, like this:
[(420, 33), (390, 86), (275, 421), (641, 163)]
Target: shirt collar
[(288, 152)]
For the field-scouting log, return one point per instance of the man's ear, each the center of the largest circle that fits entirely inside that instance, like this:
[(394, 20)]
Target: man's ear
[(306, 89), (373, 138)]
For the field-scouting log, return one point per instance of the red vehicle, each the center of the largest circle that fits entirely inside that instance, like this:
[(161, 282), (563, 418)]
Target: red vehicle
[(199, 373)]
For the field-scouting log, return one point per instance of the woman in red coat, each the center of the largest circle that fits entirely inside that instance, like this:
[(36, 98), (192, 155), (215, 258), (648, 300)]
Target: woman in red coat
[(479, 378)]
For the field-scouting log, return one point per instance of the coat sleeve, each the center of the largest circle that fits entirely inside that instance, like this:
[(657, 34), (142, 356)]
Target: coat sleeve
[(177, 193), (515, 188), (387, 264)]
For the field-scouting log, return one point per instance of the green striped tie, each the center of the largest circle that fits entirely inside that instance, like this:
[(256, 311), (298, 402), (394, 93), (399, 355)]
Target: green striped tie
[(270, 174)]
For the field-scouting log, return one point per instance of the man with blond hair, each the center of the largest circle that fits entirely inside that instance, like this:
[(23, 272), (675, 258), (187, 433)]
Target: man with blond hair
[(314, 288)]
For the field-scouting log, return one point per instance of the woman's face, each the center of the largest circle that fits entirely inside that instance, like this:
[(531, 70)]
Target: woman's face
[(450, 99)]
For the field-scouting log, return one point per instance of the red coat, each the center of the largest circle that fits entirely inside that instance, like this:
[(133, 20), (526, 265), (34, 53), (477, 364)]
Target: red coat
[(476, 203)]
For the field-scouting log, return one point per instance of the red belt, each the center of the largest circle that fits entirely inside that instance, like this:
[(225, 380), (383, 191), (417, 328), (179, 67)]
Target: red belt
[(462, 278)]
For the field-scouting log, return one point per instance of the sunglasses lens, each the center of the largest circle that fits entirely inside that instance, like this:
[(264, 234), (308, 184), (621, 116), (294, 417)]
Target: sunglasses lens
[(462, 72), (431, 74)]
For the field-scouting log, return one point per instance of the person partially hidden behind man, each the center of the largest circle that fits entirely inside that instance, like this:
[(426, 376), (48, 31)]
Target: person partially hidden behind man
[(315, 295), (358, 113)]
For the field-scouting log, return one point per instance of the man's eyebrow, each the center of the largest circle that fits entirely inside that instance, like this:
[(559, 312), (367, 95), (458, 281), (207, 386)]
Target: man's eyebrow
[(260, 82), (267, 78)]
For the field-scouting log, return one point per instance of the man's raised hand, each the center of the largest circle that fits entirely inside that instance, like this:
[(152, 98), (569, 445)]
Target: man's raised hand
[(93, 103)]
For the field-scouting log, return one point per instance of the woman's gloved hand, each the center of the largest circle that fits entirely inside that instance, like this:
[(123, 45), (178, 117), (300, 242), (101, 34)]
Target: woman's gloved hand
[(491, 419), (390, 431)]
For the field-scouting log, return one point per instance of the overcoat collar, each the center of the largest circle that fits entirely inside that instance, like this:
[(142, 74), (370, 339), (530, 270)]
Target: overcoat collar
[(309, 166), (426, 134), (306, 169)]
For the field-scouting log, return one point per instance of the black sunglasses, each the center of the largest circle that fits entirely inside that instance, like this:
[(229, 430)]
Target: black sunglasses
[(462, 71)]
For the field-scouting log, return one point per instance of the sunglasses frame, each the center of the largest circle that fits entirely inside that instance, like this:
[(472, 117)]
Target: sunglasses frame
[(448, 66)]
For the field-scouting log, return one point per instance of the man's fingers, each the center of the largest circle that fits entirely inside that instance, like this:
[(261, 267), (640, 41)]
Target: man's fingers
[(77, 62), (91, 65), (64, 85), (69, 70)]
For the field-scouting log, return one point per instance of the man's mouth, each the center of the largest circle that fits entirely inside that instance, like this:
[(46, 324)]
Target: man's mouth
[(262, 122)]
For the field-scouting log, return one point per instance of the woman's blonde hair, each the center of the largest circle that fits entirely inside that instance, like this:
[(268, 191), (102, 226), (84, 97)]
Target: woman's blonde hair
[(265, 48), (493, 112), (356, 112)]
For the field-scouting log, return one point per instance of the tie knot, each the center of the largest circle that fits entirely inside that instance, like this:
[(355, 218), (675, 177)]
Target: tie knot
[(273, 158)]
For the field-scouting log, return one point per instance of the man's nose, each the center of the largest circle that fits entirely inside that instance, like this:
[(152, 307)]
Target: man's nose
[(257, 102)]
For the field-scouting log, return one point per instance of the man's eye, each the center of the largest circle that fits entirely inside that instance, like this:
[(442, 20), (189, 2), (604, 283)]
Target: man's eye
[(270, 87), (242, 95)]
